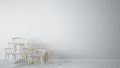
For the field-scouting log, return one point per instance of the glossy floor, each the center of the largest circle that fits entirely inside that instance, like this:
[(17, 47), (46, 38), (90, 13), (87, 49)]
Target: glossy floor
[(65, 64)]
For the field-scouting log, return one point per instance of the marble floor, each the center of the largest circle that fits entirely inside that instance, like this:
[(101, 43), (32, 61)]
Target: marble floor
[(65, 64)]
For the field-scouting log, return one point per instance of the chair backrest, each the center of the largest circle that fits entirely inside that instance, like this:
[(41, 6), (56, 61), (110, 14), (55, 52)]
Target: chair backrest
[(10, 45), (41, 51), (38, 52), (18, 48), (9, 49), (19, 44), (18, 40), (25, 50)]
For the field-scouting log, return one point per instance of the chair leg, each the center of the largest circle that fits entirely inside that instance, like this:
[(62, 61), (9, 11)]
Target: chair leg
[(42, 61), (8, 58), (38, 60), (28, 60), (5, 58), (13, 56)]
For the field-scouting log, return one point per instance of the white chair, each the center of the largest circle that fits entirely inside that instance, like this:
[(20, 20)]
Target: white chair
[(25, 54), (19, 44), (9, 51), (36, 56)]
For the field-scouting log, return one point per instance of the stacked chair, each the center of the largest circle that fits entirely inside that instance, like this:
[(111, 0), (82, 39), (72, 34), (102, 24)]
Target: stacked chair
[(9, 51), (14, 48), (36, 56), (23, 52)]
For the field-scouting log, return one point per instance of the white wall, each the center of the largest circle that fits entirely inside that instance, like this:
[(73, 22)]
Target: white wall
[(84, 29)]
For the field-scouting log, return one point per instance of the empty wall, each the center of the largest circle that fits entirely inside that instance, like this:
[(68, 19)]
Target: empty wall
[(73, 29)]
